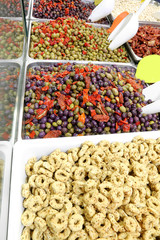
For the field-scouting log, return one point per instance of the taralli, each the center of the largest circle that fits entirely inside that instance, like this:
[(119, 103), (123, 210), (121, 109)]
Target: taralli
[(94, 192)]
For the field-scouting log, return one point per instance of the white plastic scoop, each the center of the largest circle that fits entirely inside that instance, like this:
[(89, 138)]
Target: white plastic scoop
[(152, 92), (127, 28), (102, 10)]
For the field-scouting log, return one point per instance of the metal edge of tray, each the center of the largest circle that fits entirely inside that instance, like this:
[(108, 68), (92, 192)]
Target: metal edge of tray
[(14, 116), (37, 63), (34, 19), (19, 59), (135, 57), (29, 10), (96, 25), (6, 152)]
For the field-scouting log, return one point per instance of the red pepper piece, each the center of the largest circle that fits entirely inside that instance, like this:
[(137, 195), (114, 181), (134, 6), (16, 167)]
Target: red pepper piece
[(93, 113), (101, 118), (87, 81), (117, 126), (118, 113), (29, 120), (135, 85), (45, 88), (126, 128), (85, 96), (81, 118), (138, 123), (107, 98), (61, 101), (53, 134), (103, 109), (84, 52), (86, 44), (40, 113), (32, 134), (67, 89), (41, 41), (121, 100)]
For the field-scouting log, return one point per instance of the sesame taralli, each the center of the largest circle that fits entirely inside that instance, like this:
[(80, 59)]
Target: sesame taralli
[(104, 191)]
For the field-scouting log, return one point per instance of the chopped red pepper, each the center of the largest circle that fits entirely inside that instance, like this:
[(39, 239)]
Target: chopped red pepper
[(85, 96), (87, 81), (126, 128), (53, 134), (61, 101), (81, 118), (101, 118), (67, 89), (107, 98), (84, 52), (40, 113), (32, 134), (93, 113), (138, 123), (121, 98), (45, 88)]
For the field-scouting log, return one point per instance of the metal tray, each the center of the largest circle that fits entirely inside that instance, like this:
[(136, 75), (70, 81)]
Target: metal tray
[(5, 156), (38, 63), (111, 17), (94, 24), (129, 48), (20, 59), (15, 115), (29, 9), (33, 18), (23, 151)]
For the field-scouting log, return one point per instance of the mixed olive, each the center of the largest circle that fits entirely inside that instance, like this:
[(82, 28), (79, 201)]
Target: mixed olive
[(11, 40), (57, 8), (8, 88), (76, 99), (72, 39)]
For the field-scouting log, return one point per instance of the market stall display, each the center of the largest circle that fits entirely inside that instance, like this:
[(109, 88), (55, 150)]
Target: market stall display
[(66, 82), (72, 100), (133, 5), (68, 8), (12, 38), (9, 76), (72, 39)]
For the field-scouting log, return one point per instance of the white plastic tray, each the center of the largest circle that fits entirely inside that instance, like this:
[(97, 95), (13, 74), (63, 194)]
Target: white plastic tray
[(23, 150), (5, 155)]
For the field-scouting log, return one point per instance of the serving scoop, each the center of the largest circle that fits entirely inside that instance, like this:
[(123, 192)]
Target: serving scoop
[(127, 28), (102, 10), (152, 92)]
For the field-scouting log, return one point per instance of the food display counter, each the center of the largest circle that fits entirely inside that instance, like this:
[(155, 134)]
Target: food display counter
[(61, 86)]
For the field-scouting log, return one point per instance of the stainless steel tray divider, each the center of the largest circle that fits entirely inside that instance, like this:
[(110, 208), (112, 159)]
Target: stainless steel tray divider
[(32, 63)]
